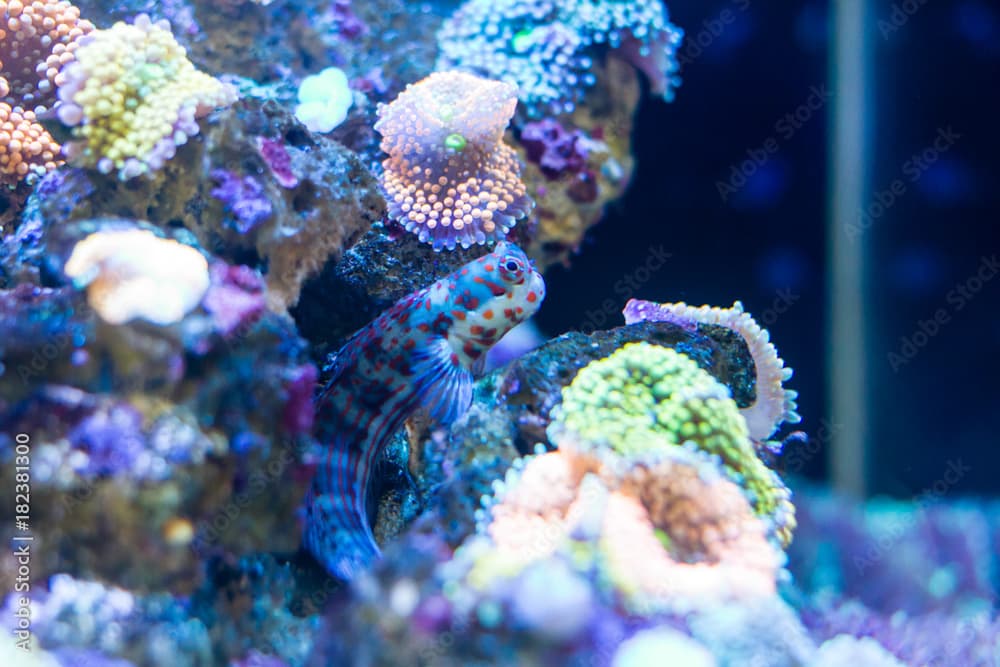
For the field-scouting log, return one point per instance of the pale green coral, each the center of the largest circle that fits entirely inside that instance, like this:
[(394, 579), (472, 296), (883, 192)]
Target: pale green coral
[(645, 397)]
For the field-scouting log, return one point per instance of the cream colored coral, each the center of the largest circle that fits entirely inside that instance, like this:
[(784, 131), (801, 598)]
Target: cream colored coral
[(663, 531), (774, 404), (134, 274)]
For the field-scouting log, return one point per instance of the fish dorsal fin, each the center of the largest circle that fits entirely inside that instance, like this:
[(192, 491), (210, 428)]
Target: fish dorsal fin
[(444, 385)]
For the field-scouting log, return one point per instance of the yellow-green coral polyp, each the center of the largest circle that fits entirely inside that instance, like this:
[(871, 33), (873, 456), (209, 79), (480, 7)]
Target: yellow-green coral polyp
[(643, 398), (132, 97)]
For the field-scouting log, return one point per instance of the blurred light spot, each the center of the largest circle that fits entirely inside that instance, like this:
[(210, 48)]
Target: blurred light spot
[(978, 24), (782, 268), (811, 27), (918, 271), (764, 185), (948, 181), (727, 38)]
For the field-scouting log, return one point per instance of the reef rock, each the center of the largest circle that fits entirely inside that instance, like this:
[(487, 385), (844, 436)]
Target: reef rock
[(155, 435), (254, 187)]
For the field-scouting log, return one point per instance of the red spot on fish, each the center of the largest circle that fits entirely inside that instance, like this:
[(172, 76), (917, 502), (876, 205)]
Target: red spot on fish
[(441, 324), (475, 330), (458, 314), (495, 290), (409, 344), (532, 297), (508, 313), (489, 267), (488, 314)]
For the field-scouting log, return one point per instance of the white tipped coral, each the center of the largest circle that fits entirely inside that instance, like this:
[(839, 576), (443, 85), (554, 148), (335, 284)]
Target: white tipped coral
[(134, 274), (665, 533), (132, 97), (449, 177), (774, 404)]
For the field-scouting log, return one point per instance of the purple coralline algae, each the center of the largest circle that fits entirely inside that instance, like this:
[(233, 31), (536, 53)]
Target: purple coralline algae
[(554, 148), (235, 298), (278, 160), (346, 21), (112, 441), (243, 197)]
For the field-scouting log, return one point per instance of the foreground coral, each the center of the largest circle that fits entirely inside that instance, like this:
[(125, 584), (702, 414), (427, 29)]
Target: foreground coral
[(449, 177), (667, 533), (133, 97), (133, 274), (645, 399), (774, 404)]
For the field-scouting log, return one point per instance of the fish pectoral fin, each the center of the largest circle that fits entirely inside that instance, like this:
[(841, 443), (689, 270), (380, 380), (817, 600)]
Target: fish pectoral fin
[(479, 366), (444, 385)]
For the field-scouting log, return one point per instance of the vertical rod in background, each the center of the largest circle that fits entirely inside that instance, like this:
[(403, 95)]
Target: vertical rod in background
[(847, 192)]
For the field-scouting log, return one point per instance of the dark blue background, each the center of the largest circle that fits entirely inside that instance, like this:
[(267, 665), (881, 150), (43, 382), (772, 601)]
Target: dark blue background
[(766, 244)]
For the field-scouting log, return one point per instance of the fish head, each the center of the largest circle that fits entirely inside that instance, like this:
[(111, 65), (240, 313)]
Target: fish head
[(494, 294)]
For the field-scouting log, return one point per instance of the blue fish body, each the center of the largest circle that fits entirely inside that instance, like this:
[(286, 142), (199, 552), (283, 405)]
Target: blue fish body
[(418, 354)]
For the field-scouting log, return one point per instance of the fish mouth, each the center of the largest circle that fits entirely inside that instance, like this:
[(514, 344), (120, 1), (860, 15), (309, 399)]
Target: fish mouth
[(538, 284)]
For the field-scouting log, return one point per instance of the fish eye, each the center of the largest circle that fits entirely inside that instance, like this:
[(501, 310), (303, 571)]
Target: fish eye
[(512, 269)]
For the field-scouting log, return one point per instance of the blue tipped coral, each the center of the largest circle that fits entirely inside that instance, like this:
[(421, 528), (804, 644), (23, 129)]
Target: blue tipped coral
[(449, 177), (548, 48)]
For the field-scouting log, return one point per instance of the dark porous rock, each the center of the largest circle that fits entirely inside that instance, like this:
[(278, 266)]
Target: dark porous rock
[(152, 442), (303, 200), (11, 202)]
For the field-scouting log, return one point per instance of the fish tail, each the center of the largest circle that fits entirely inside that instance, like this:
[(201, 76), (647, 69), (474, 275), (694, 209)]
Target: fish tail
[(337, 531)]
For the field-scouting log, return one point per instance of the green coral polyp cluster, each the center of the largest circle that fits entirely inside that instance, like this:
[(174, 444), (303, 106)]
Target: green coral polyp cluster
[(644, 397)]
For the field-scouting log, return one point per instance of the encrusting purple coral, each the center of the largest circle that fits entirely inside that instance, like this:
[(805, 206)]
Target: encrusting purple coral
[(113, 442), (235, 297), (346, 21), (554, 148), (276, 157), (243, 197)]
